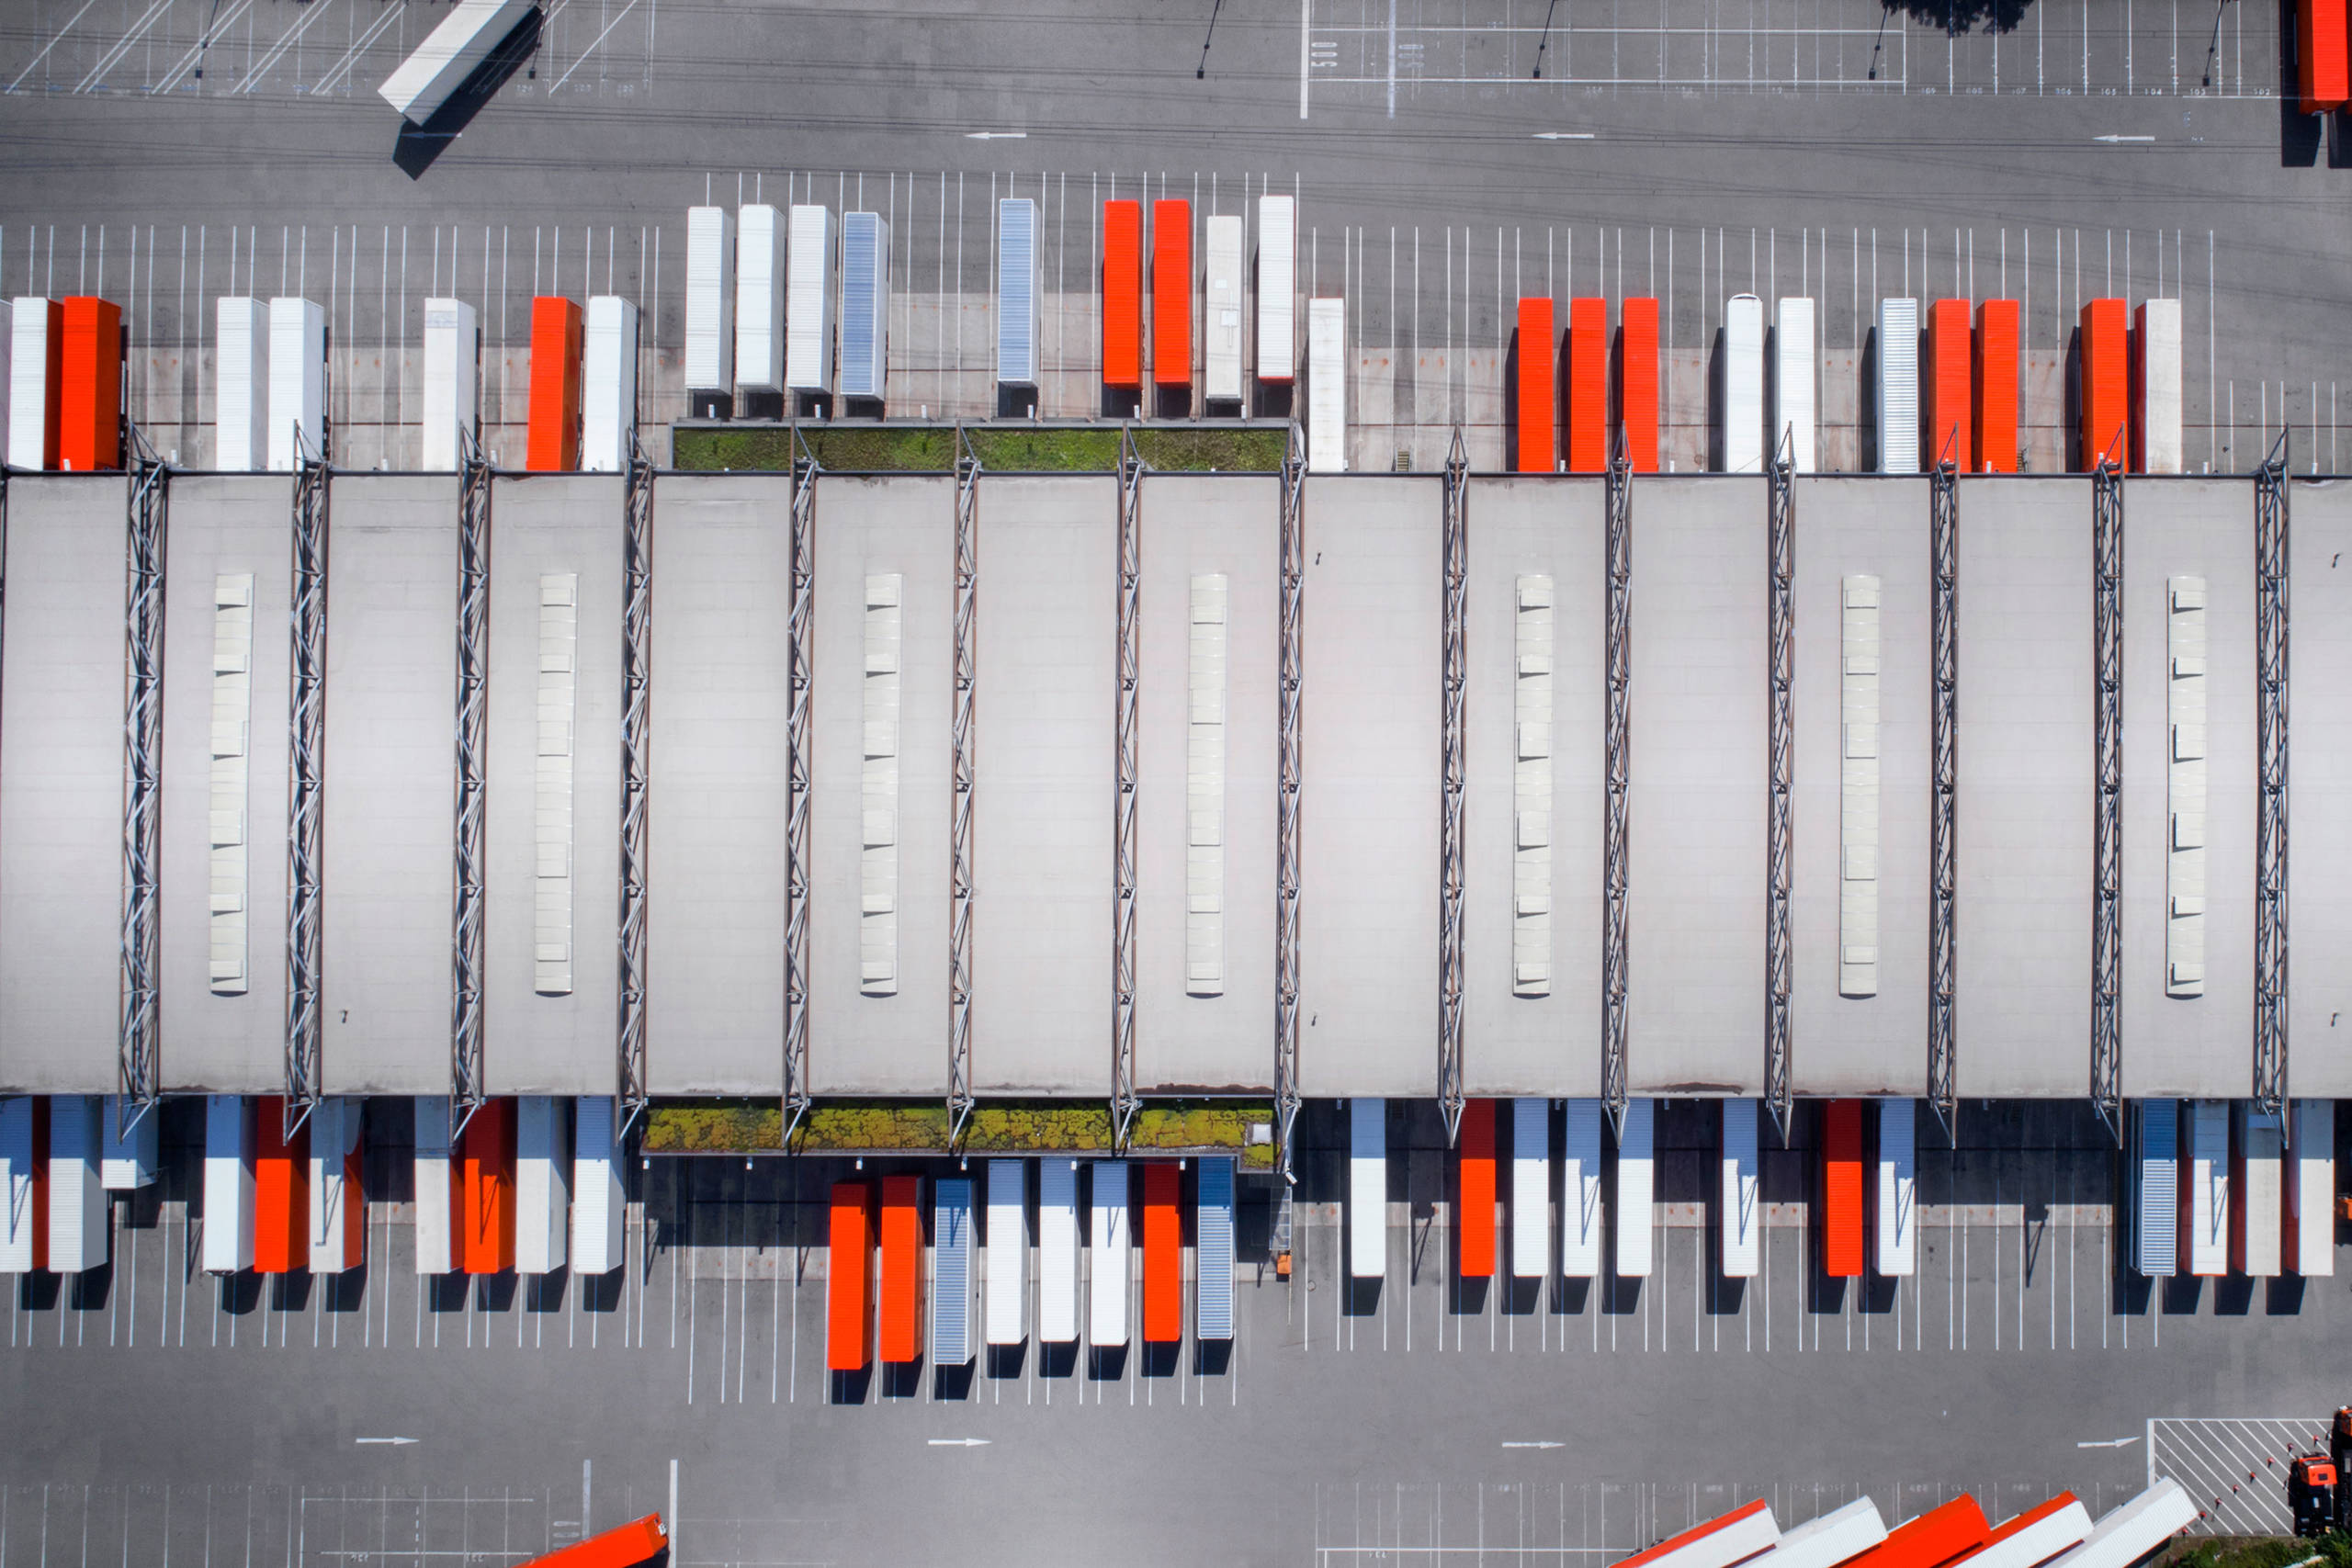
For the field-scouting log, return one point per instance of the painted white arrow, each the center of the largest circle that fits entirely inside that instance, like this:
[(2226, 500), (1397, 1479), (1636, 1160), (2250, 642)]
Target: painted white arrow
[(1564, 136), (1535, 1445), (958, 1442), (2113, 139), (2109, 1443), (996, 136), (397, 1441)]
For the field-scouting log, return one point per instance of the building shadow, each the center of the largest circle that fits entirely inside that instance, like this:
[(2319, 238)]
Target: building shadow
[(417, 147), (1510, 403), (1958, 18)]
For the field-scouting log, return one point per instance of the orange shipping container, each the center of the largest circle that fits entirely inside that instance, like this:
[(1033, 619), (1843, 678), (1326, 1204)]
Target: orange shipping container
[(1637, 382), (637, 1543), (1538, 409), (1163, 1255), (1122, 294), (1934, 1537), (486, 1190), (281, 1191), (1475, 1204), (89, 400), (1950, 428), (1996, 386), (2320, 66), (2106, 385), (1588, 386), (1841, 1188), (849, 1282), (1172, 293), (901, 1269), (554, 445)]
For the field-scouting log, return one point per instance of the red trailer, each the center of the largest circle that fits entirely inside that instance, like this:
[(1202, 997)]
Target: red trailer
[(2321, 67), (1163, 1253), (1841, 1188), (901, 1294), (281, 1191), (554, 442), (1122, 293), (486, 1185), (1475, 1204), (1539, 415), (637, 1542), (1588, 386), (1996, 386), (1637, 382), (1950, 427), (89, 401), (849, 1317), (2106, 385), (1935, 1538), (1172, 293)]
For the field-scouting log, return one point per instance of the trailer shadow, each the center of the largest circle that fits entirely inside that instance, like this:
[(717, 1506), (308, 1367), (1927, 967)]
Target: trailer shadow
[(848, 1388), (346, 1292), (1570, 1295), (2233, 1296), (447, 1293), (602, 1293), (416, 147), (1057, 1359), (1162, 1359), (38, 1291), (1106, 1363), (1212, 1358), (1726, 1296), (2181, 1295), (1359, 1298), (952, 1382), (545, 1292), (1005, 1361), (1828, 1295), (1521, 1296), (92, 1287), (1470, 1296), (289, 1292), (1620, 1297), (1877, 1294), (2284, 1297), (901, 1379)]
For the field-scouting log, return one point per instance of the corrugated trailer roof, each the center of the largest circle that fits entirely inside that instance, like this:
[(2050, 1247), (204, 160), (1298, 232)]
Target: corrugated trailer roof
[(1163, 1253), (1172, 293), (1933, 1539), (1637, 381), (1537, 388), (1212, 1249), (1841, 1188), (1587, 412), (1996, 386), (1474, 1218), (556, 341), (901, 1294)]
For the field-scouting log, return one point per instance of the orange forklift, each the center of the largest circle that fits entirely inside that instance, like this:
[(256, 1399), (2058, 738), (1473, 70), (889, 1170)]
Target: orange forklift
[(2315, 1489)]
